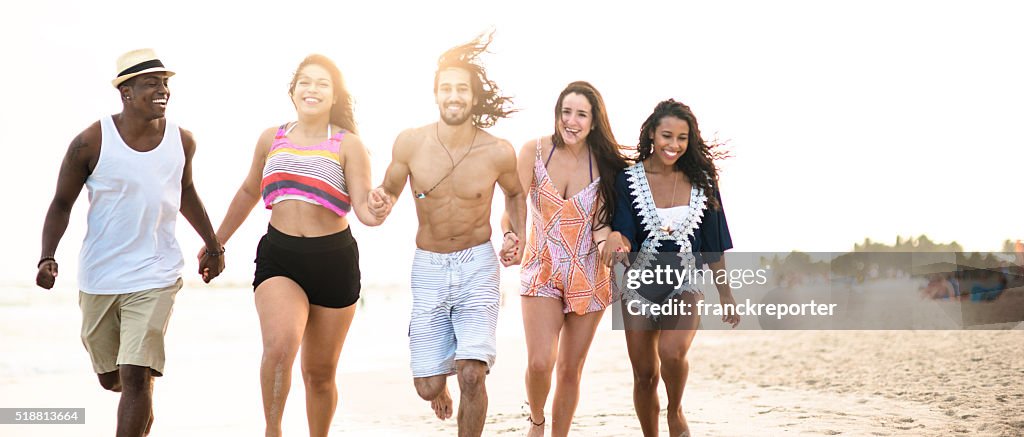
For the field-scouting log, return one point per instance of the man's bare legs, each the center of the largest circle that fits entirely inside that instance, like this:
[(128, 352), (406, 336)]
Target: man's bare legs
[(111, 381), (472, 376), (435, 389), (473, 400), (135, 411)]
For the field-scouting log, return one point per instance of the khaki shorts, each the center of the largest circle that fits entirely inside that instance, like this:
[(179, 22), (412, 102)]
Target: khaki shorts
[(127, 328)]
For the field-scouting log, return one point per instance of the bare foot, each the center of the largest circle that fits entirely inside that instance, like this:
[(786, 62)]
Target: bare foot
[(677, 426), (536, 428), (442, 405)]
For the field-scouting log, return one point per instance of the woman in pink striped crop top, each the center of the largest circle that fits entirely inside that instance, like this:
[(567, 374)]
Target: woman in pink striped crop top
[(310, 173)]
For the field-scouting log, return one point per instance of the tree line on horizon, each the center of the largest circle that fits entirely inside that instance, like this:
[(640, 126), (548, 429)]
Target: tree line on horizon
[(886, 259)]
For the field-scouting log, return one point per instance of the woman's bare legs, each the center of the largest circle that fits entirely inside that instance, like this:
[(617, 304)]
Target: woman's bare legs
[(283, 310), (325, 335), (542, 322)]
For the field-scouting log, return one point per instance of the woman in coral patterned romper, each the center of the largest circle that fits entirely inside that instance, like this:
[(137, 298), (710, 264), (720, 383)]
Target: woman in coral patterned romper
[(565, 287)]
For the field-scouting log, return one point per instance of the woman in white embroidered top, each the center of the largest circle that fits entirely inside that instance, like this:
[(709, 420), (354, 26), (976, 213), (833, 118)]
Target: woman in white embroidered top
[(668, 205)]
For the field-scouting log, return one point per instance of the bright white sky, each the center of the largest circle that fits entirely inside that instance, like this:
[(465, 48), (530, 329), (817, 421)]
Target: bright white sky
[(847, 120)]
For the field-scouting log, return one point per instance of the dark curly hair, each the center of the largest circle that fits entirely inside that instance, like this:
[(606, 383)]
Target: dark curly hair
[(698, 162), (490, 106), (341, 111), (601, 141)]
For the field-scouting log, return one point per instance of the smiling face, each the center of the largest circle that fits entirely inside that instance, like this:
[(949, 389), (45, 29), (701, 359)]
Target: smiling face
[(313, 91), (670, 139), (147, 94), (575, 119), (454, 96)]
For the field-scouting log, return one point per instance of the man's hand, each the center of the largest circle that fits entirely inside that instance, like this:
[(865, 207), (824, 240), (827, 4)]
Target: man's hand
[(510, 254), (380, 203), (210, 264), (47, 274)]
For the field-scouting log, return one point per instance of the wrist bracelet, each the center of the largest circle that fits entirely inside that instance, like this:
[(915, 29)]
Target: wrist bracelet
[(508, 232), (45, 259), (217, 253), (599, 242)]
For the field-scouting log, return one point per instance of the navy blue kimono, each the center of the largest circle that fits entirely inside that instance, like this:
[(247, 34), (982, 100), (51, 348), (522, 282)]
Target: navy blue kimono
[(711, 238)]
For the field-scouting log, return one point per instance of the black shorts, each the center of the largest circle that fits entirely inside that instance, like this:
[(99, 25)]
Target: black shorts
[(327, 268)]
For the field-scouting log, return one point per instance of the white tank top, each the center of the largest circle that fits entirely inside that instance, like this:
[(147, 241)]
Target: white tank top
[(134, 199)]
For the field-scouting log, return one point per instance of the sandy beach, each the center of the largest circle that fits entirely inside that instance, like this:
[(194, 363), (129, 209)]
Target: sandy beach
[(741, 383)]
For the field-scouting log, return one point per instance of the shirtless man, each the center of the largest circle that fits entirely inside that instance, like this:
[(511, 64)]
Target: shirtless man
[(452, 167)]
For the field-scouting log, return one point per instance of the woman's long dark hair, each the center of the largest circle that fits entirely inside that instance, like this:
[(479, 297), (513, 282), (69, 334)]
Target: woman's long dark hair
[(341, 111), (603, 146), (698, 162)]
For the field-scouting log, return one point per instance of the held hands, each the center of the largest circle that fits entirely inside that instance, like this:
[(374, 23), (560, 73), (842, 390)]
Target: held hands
[(47, 274), (614, 250), (510, 254), (728, 301), (379, 203), (211, 263)]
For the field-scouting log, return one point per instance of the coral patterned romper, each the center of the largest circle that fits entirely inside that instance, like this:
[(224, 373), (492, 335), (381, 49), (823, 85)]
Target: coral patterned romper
[(561, 259)]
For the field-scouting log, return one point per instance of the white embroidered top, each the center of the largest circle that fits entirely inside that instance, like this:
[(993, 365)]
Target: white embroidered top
[(672, 217), (684, 221)]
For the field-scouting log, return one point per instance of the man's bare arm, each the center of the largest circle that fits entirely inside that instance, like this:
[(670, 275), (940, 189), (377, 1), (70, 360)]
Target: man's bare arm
[(398, 171), (194, 211), (74, 170), (191, 206), (515, 201)]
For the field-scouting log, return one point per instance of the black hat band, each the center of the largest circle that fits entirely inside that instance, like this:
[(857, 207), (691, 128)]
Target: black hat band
[(155, 63)]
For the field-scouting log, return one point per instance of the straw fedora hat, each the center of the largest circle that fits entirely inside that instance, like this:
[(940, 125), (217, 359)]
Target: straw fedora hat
[(138, 62)]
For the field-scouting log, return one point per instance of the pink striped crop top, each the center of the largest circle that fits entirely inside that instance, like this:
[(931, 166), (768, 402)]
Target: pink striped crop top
[(311, 174)]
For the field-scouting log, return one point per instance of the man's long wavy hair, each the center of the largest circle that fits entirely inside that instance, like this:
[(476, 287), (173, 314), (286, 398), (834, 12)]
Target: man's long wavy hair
[(698, 162), (341, 111), (490, 104), (601, 141)]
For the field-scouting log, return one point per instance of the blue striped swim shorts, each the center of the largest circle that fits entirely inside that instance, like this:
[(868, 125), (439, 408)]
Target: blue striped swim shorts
[(455, 309)]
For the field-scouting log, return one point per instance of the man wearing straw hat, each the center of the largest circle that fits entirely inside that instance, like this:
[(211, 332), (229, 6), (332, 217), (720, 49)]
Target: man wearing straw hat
[(137, 167)]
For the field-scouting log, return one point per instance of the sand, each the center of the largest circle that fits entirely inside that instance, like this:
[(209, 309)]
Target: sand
[(741, 383)]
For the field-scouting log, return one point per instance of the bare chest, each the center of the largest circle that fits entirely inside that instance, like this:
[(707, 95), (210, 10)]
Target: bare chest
[(435, 174)]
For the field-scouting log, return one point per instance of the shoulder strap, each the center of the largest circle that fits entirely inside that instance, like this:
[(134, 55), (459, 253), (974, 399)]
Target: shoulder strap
[(339, 135), (590, 162), (289, 130), (549, 154)]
